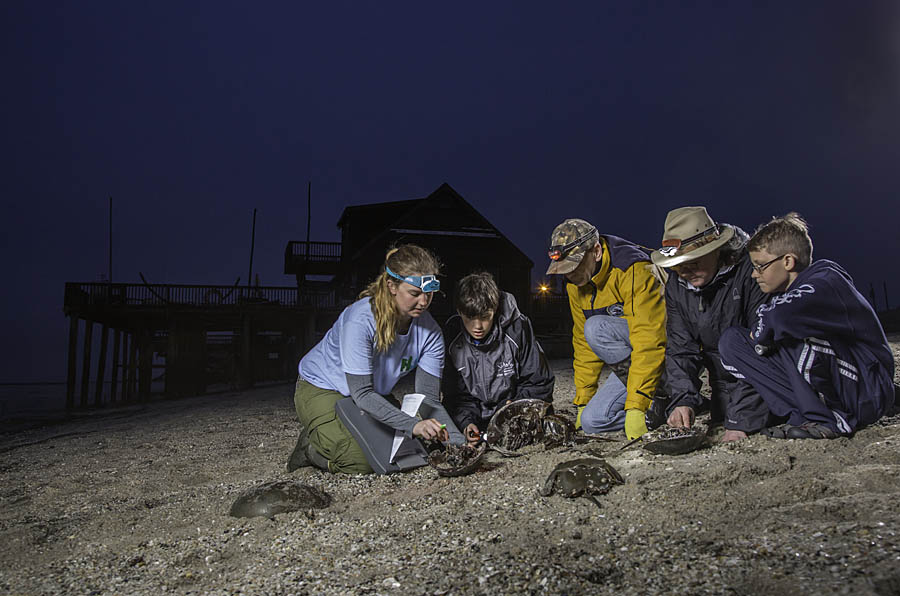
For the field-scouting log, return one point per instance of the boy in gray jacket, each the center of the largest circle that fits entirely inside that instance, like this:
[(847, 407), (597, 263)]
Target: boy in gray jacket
[(492, 356)]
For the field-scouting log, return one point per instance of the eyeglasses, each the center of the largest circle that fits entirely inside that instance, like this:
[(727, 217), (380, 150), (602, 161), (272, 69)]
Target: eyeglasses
[(761, 268), (561, 251), (671, 245), (426, 283)]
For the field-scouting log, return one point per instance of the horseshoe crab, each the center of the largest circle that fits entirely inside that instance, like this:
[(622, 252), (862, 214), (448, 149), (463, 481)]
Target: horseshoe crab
[(271, 498), (525, 422), (583, 477), (513, 426), (456, 460), (668, 440)]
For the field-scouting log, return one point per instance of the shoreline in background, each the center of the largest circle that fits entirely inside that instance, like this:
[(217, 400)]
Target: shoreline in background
[(24, 406), (34, 399)]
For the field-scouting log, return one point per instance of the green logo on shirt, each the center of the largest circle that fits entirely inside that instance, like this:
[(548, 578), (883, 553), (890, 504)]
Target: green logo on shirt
[(406, 364)]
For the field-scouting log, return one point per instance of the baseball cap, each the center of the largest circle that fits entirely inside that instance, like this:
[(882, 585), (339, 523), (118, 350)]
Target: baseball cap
[(568, 243)]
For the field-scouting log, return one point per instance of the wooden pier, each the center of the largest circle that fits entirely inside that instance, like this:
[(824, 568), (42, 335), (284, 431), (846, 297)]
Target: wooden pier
[(192, 337), (188, 337)]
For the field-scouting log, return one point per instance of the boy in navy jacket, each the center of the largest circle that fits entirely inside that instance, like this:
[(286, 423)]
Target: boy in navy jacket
[(817, 355)]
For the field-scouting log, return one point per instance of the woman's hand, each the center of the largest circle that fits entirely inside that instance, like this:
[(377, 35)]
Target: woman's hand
[(681, 417), (431, 429), (472, 434)]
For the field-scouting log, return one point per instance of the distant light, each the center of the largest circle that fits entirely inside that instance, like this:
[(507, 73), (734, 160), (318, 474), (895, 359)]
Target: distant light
[(543, 288)]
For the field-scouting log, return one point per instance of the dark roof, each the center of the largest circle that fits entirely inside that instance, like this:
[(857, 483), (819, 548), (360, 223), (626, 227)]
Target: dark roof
[(405, 216), (391, 210)]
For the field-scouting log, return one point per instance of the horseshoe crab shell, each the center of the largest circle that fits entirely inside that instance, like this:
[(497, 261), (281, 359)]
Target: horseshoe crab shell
[(517, 424), (557, 430), (456, 460), (271, 498), (582, 477), (667, 440)]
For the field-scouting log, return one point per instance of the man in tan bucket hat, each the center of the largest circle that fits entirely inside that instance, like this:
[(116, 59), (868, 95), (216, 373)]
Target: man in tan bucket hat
[(616, 297), (711, 291)]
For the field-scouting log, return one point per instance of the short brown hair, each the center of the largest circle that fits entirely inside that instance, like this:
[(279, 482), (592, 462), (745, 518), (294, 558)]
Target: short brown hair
[(477, 295), (784, 235)]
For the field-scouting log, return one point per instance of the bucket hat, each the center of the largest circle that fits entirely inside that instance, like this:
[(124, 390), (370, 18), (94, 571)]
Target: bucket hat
[(688, 234)]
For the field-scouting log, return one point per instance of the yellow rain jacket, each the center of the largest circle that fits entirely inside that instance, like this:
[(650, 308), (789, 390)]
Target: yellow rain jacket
[(627, 285)]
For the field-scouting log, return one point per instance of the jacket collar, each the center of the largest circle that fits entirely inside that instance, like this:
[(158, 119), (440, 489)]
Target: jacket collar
[(723, 271)]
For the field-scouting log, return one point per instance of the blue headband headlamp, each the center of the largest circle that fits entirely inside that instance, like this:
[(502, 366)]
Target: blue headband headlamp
[(426, 283)]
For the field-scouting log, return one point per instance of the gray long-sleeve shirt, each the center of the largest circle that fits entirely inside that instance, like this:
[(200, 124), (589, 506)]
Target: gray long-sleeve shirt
[(376, 405)]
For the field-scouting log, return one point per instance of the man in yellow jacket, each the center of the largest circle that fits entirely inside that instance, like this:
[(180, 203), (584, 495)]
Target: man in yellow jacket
[(616, 297)]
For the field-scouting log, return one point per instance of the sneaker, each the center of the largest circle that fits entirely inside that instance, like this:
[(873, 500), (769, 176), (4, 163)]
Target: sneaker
[(811, 430), (316, 459), (895, 410), (778, 432), (298, 458)]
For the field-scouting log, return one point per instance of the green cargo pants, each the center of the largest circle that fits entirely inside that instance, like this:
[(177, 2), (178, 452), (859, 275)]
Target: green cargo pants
[(327, 434)]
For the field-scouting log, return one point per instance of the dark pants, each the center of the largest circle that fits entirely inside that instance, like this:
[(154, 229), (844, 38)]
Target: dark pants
[(734, 402), (802, 380)]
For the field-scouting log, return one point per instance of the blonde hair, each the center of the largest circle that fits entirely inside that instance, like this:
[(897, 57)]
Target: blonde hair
[(404, 260), (784, 235)]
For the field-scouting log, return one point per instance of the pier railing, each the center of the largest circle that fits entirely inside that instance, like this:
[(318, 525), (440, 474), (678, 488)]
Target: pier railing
[(312, 258), (161, 295), (314, 251)]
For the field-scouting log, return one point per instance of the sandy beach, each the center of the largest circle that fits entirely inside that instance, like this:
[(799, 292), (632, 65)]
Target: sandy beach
[(136, 501)]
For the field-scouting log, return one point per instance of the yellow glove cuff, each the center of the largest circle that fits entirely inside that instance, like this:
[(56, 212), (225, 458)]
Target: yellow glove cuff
[(635, 424), (578, 418)]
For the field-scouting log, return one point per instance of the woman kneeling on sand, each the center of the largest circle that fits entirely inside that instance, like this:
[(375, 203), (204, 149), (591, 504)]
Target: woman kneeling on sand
[(376, 340)]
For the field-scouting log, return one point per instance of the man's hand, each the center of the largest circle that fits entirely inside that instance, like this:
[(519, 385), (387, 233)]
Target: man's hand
[(681, 417), (635, 424), (430, 429), (472, 434)]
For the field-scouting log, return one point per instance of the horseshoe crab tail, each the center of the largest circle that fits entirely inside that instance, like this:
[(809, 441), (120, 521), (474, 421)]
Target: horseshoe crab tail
[(505, 452), (592, 498)]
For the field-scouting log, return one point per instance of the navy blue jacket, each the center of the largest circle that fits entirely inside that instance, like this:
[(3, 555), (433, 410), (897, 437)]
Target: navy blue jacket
[(696, 318), (823, 303)]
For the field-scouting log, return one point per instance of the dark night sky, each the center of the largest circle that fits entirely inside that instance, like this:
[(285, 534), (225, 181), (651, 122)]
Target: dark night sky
[(192, 114)]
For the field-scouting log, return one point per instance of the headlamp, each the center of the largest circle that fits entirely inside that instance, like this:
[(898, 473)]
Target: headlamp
[(561, 251), (671, 245), (426, 283)]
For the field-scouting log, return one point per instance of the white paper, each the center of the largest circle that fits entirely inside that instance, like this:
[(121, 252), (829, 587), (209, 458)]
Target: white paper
[(410, 406)]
